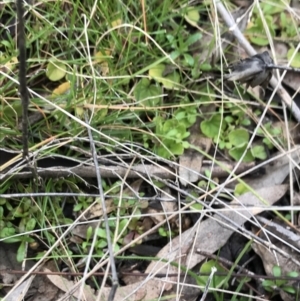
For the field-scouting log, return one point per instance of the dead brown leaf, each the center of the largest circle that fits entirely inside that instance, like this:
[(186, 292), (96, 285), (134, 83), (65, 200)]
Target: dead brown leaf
[(213, 233)]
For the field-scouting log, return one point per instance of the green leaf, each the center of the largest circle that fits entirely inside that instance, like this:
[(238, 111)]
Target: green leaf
[(259, 152), (30, 225), (162, 232), (56, 70), (77, 207), (177, 149), (289, 289), (271, 9), (213, 126), (189, 59), (13, 109), (101, 233), (237, 152), (192, 16), (217, 281), (21, 252), (277, 271), (196, 207), (268, 285), (257, 36), (205, 67), (185, 144), (7, 232), (268, 143), (240, 189), (246, 122), (238, 137), (101, 243), (157, 71), (149, 95), (296, 60), (169, 81), (123, 225), (175, 54), (193, 38), (293, 274), (89, 233)]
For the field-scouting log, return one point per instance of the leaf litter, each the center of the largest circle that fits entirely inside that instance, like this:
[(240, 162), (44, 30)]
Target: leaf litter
[(208, 234)]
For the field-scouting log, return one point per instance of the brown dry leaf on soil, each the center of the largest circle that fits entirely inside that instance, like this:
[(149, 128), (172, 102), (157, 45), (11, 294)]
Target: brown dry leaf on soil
[(146, 289), (279, 235), (213, 233)]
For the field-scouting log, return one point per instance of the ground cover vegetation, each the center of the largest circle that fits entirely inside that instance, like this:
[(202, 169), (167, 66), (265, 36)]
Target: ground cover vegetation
[(137, 140)]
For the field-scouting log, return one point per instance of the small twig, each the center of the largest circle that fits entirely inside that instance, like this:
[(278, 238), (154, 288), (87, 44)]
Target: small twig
[(22, 75)]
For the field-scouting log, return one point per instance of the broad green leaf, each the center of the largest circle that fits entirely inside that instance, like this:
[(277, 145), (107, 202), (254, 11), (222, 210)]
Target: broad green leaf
[(259, 152), (217, 281), (277, 271), (189, 59), (56, 70), (77, 207), (157, 72), (213, 126), (171, 80), (122, 225), (238, 137), (240, 189), (289, 289), (257, 36), (293, 274), (150, 95), (30, 225), (101, 233), (268, 285), (177, 149), (205, 67), (192, 16), (13, 109), (237, 152), (101, 243)]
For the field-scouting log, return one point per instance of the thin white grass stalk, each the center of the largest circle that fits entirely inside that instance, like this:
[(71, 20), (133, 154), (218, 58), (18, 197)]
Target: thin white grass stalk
[(209, 280), (123, 180), (229, 292), (93, 10), (91, 66), (111, 263)]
